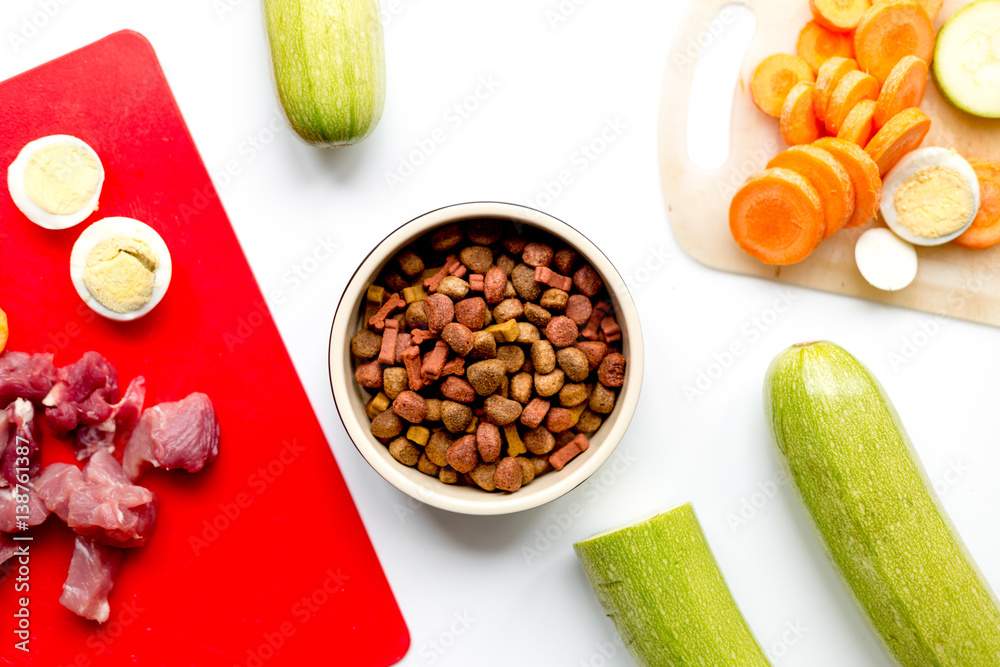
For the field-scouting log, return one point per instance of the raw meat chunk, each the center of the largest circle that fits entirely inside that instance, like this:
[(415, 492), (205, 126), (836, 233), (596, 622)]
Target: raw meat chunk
[(91, 577), (116, 429), (183, 434), (83, 394), (21, 438), (23, 375), (9, 510)]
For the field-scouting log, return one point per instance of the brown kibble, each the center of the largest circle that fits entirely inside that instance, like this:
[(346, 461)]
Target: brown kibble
[(509, 475), (537, 254), (588, 422), (512, 356), (471, 313), (587, 281), (574, 363), (446, 238), (508, 309), (484, 345), (527, 470), (410, 406), (415, 317), (554, 299), (547, 276), (366, 344), (591, 331), (387, 425), (539, 441), (453, 287), (534, 412), (572, 395), (515, 244), (459, 338), (559, 420), (369, 375), (426, 466), (541, 465), (527, 333), (484, 232), (564, 437), (477, 258), (394, 381), (578, 309), (396, 282), (434, 361), (569, 451), (404, 451), (447, 475), (488, 442), (501, 411), (549, 384), (564, 260), (455, 416), (562, 331), (543, 357), (440, 311), (611, 372), (486, 376), (521, 386), (437, 447), (483, 476), (458, 390), (536, 314), (523, 280), (433, 410), (602, 400), (410, 263), (508, 290), (507, 263), (610, 329), (463, 455), (493, 285), (595, 351)]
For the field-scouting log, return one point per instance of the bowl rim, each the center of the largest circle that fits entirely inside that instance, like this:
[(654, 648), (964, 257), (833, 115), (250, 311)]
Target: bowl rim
[(490, 504)]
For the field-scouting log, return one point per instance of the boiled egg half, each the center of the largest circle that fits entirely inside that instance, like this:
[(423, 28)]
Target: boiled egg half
[(120, 267), (56, 181), (930, 197)]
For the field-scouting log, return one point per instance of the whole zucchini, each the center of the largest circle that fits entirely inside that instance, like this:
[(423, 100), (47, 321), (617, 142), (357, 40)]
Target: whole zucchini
[(871, 503), (329, 67)]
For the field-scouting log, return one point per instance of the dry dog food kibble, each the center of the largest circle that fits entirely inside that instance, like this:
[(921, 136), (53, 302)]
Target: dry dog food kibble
[(490, 352)]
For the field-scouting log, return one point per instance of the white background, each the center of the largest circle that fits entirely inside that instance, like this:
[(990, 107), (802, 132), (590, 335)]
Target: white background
[(558, 86)]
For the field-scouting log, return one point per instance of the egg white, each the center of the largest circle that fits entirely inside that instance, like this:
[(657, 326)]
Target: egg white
[(886, 261), (932, 156), (107, 228), (34, 212)]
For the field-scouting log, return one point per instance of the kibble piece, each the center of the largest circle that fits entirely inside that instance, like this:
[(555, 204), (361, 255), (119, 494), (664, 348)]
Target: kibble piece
[(463, 455), (457, 389), (559, 420), (549, 384), (415, 317), (426, 466), (527, 470), (484, 345), (433, 410), (453, 287), (508, 290), (573, 394), (488, 442), (528, 333), (387, 425), (366, 344), (541, 465), (418, 435), (446, 238), (564, 260), (602, 399), (459, 338), (396, 282), (375, 294), (440, 310), (536, 315), (508, 476), (477, 258), (512, 356), (404, 451), (523, 280), (534, 412), (508, 331), (471, 313), (410, 263), (587, 281), (554, 299), (447, 475), (486, 376), (521, 386), (483, 475), (410, 406), (376, 405), (537, 254), (394, 381), (515, 244), (563, 437), (578, 309), (484, 232), (494, 282), (569, 451), (508, 309), (500, 410), (539, 441), (369, 375), (413, 294), (595, 351), (437, 446), (543, 357), (455, 416), (507, 263), (562, 331), (588, 422), (574, 363), (611, 372)]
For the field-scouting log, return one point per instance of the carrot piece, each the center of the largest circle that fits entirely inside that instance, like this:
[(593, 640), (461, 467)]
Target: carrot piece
[(829, 75), (3, 330), (858, 126), (896, 138), (888, 32), (864, 177), (985, 229), (798, 121), (853, 88), (774, 77), (932, 7), (777, 217), (817, 44), (828, 176), (902, 90), (839, 15)]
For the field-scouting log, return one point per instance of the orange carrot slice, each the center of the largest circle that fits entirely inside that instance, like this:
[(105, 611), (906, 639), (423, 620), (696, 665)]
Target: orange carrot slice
[(774, 77), (932, 7), (900, 135), (828, 176), (798, 121), (853, 88), (839, 15), (902, 90), (864, 177), (777, 217), (858, 126), (829, 75), (817, 44), (985, 229), (3, 330), (888, 32)]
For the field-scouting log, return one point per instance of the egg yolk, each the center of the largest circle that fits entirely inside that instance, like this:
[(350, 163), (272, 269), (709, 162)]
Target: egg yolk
[(120, 272), (934, 202), (62, 178)]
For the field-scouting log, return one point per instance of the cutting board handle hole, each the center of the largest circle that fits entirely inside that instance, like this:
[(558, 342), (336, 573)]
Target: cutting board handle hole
[(718, 49)]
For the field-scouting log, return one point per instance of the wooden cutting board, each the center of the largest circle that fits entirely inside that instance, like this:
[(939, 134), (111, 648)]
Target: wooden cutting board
[(951, 281), (259, 559)]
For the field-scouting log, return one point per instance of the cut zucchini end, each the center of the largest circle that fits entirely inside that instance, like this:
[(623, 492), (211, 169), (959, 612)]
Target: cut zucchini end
[(966, 65)]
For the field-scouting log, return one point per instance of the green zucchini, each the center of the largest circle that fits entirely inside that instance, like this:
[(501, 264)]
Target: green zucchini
[(329, 67), (660, 584), (855, 470), (965, 64)]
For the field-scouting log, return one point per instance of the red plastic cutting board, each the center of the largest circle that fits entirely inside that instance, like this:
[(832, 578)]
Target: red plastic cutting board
[(260, 559)]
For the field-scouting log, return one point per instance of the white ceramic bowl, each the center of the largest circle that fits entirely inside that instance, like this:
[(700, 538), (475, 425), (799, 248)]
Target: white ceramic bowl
[(351, 398)]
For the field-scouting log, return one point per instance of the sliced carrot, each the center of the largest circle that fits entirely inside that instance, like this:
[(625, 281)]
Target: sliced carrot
[(985, 229), (829, 75), (864, 177), (888, 32), (932, 7), (798, 121), (828, 176), (3, 330), (777, 217), (858, 126), (853, 88), (902, 90), (817, 44), (774, 77), (900, 135), (839, 15)]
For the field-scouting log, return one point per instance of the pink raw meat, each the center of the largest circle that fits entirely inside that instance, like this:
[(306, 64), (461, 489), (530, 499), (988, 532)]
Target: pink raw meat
[(23, 375), (84, 394), (91, 577), (21, 455), (117, 428), (8, 548), (9, 511), (183, 434)]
